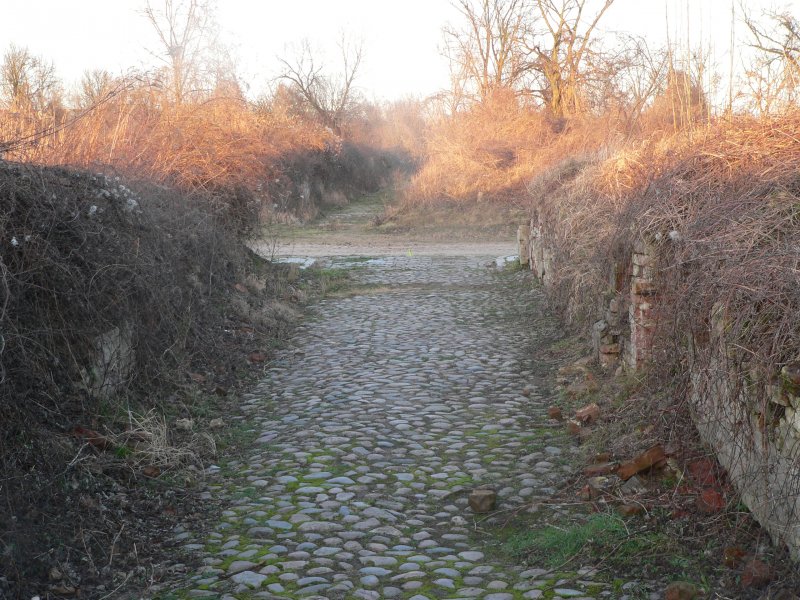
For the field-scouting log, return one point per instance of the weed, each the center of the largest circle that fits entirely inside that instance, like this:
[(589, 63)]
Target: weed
[(326, 281), (357, 259), (512, 267)]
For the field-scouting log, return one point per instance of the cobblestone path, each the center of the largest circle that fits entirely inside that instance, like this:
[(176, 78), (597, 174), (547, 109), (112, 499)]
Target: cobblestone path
[(385, 409)]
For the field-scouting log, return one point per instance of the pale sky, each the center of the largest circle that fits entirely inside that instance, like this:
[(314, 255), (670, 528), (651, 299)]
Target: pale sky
[(401, 37)]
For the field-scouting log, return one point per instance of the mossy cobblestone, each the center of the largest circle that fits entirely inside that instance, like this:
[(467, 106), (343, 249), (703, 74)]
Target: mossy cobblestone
[(372, 426)]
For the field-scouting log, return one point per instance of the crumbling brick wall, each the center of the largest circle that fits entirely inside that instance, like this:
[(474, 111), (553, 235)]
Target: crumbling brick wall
[(751, 420)]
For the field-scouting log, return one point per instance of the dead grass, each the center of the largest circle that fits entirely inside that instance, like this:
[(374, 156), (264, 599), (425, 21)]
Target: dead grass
[(244, 161), (489, 152), (148, 436), (719, 205), (722, 207)]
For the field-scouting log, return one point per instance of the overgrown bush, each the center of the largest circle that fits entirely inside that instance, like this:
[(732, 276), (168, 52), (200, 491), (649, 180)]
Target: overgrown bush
[(242, 160), (311, 181), (84, 256), (491, 150), (722, 206)]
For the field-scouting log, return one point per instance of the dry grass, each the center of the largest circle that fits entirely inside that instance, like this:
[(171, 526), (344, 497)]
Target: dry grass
[(148, 436), (721, 205), (82, 255), (491, 151), (241, 160)]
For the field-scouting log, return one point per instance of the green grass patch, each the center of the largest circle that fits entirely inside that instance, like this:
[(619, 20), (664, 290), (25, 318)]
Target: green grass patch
[(237, 435), (603, 537), (513, 266), (251, 493), (321, 282), (554, 546), (357, 259)]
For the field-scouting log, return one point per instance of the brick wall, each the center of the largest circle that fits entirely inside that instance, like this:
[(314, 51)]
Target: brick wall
[(751, 420)]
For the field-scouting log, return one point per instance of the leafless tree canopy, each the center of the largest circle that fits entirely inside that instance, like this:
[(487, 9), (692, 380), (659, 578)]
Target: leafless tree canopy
[(560, 54), (184, 28), (490, 51), (331, 96), (94, 86), (539, 47), (774, 75), (27, 82)]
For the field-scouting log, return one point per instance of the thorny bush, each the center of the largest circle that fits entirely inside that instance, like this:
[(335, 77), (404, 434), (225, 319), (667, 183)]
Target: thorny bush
[(82, 255)]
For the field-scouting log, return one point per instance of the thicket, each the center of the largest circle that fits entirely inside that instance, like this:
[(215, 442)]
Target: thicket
[(245, 162), (721, 207), (110, 293), (125, 208)]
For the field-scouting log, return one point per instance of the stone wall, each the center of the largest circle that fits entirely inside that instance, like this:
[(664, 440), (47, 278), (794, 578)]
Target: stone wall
[(539, 251), (751, 420), (114, 360)]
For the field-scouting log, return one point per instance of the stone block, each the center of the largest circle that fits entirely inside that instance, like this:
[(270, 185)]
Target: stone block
[(523, 242), (643, 271), (482, 501), (642, 287), (115, 359), (613, 306)]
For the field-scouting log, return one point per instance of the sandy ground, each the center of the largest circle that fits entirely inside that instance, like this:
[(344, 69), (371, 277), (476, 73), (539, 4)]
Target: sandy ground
[(381, 246), (348, 232)]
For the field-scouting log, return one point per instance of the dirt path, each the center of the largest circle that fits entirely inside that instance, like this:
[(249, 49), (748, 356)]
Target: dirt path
[(350, 232)]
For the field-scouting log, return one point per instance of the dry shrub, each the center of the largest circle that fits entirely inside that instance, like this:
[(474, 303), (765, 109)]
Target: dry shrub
[(311, 181), (726, 208), (721, 208), (149, 436), (720, 202), (479, 151), (82, 255), (241, 160), (493, 149), (681, 106), (578, 223)]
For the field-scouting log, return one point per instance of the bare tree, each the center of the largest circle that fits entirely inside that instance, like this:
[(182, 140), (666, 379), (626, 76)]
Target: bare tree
[(330, 96), (628, 78), (94, 86), (541, 47), (774, 73), (560, 53), (184, 28), (28, 83), (489, 52)]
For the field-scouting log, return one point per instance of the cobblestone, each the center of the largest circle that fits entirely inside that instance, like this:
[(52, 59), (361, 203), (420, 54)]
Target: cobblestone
[(373, 425)]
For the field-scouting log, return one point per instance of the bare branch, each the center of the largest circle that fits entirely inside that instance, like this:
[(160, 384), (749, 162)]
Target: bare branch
[(184, 28), (330, 96), (490, 51), (774, 74)]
